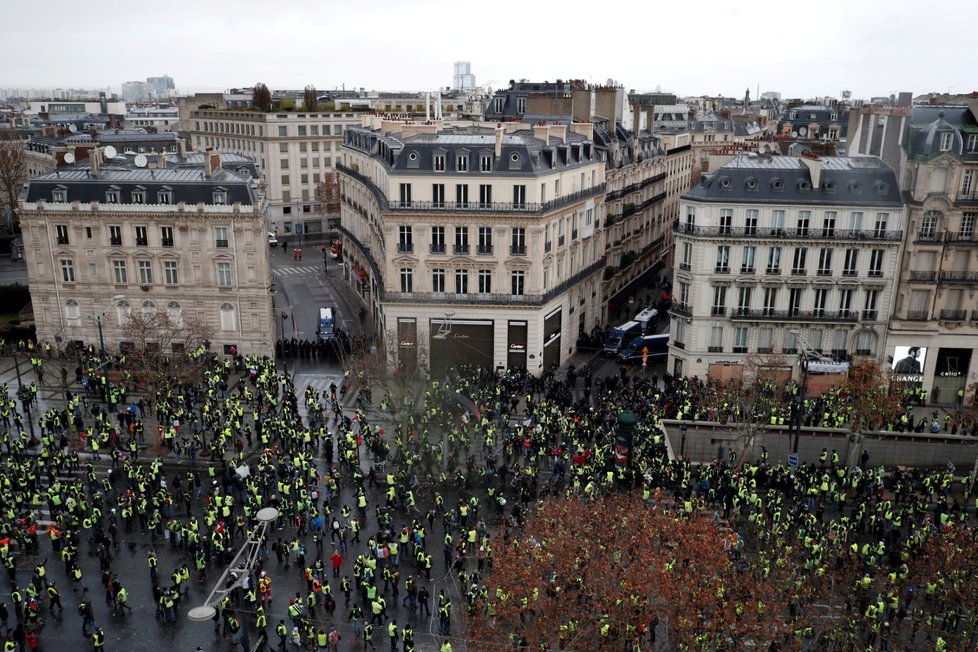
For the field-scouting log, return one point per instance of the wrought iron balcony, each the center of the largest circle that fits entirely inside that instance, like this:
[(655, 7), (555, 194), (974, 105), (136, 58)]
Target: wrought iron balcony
[(959, 277), (917, 315), (954, 315), (784, 234), (919, 276), (769, 314)]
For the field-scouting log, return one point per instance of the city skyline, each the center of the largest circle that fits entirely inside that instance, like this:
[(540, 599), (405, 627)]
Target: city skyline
[(722, 49)]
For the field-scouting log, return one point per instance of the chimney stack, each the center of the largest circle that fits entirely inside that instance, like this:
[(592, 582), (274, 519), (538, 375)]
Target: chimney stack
[(499, 140), (182, 148), (636, 120), (212, 162), (542, 131), (95, 159), (427, 106)]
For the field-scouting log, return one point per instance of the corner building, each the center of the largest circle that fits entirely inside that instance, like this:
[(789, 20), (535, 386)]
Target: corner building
[(108, 238), (775, 254), (472, 244), (935, 313)]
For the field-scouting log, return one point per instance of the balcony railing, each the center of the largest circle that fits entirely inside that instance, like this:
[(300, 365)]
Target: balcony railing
[(768, 314), (62, 239), (405, 247), (870, 315), (917, 315), (517, 250), (721, 269), (116, 242), (714, 349), (784, 234), (954, 315), (718, 311), (484, 250), (974, 315), (495, 299), (773, 271), (438, 248), (461, 249), (684, 309), (960, 236), (928, 235), (685, 267), (167, 242), (918, 276), (959, 277), (745, 269), (968, 197)]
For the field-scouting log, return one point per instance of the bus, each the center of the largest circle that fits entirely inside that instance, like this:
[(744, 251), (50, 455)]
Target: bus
[(657, 345), (326, 330)]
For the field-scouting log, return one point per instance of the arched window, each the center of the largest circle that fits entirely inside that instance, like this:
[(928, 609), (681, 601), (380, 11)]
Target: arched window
[(228, 319), (149, 308), (175, 313), (73, 312), (123, 309)]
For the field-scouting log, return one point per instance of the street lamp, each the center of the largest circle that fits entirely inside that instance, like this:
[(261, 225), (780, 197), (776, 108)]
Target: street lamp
[(239, 568), (97, 316), (802, 395)]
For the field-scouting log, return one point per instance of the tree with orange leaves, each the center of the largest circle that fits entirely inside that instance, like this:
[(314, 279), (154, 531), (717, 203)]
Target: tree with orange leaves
[(618, 572)]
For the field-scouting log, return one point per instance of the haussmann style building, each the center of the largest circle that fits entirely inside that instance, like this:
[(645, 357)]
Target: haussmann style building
[(473, 243), (785, 256), (111, 236)]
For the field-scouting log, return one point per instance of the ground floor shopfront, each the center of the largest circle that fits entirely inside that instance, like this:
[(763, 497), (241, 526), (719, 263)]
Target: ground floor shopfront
[(535, 340), (942, 363)]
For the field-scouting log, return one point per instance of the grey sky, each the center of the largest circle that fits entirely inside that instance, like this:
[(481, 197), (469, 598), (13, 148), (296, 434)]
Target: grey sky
[(706, 46)]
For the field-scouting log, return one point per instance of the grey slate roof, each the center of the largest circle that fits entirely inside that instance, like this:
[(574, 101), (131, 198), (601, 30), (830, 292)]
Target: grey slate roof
[(522, 153), (856, 181), (929, 123), (187, 184)]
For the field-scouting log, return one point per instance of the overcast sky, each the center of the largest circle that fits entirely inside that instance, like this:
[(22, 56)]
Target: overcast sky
[(700, 47)]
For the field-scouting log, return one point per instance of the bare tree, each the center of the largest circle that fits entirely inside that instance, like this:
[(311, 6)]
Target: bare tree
[(166, 348), (328, 193), (262, 97), (751, 399), (393, 381), (13, 172), (310, 103)]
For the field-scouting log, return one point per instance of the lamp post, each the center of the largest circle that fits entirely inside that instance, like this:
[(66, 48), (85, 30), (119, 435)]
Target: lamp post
[(97, 316), (239, 568)]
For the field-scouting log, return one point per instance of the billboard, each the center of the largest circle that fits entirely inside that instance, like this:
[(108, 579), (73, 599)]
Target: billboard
[(908, 363)]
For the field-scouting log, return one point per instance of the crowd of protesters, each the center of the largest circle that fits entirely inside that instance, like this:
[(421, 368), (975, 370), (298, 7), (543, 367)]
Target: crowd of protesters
[(391, 494)]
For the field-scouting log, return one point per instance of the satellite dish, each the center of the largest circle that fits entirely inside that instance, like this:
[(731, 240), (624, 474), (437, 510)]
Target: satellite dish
[(72, 128), (69, 158), (110, 151), (140, 160)]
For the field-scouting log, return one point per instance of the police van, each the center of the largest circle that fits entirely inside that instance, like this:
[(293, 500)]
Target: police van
[(326, 330)]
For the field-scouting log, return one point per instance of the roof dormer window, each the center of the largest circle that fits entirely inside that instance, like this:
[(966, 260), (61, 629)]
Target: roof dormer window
[(138, 196), (164, 196), (220, 196), (59, 195), (112, 196), (947, 138)]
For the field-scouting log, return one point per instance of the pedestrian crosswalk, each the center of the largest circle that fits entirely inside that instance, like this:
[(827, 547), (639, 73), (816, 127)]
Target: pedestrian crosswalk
[(301, 270), (320, 382)]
